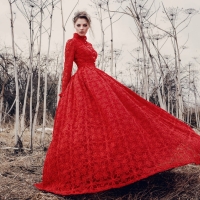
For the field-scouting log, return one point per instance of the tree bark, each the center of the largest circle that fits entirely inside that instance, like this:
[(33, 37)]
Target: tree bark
[(45, 86), (16, 76), (39, 69)]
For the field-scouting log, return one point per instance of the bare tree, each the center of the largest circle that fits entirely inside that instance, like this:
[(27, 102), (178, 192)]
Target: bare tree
[(3, 81), (41, 8), (111, 40), (17, 127), (98, 6), (46, 66), (135, 10), (142, 12), (29, 15)]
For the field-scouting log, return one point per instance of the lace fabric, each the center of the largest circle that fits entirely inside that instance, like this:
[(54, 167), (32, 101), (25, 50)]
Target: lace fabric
[(105, 135)]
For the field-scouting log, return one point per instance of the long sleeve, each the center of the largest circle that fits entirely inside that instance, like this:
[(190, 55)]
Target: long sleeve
[(69, 58)]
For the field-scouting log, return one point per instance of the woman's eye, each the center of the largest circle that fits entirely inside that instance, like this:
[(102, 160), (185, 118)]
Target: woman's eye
[(78, 25), (85, 25)]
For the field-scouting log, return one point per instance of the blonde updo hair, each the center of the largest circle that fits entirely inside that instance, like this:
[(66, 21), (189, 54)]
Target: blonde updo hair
[(82, 15)]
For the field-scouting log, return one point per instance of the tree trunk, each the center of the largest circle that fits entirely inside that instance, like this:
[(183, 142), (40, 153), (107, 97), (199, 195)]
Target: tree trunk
[(16, 76), (45, 86), (179, 95), (111, 46), (39, 68), (1, 105), (31, 91), (24, 104), (62, 56), (102, 42)]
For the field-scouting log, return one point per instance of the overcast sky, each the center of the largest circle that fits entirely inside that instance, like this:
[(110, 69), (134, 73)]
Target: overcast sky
[(123, 37)]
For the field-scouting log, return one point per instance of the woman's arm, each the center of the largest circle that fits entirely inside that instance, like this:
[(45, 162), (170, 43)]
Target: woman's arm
[(69, 58)]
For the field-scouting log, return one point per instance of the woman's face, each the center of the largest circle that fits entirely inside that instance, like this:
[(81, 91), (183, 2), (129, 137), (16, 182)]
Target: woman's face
[(81, 26)]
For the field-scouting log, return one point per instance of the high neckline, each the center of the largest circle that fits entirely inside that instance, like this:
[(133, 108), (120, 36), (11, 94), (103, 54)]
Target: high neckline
[(76, 35)]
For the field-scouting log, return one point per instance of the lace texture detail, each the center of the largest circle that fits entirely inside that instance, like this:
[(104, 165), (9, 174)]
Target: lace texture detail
[(81, 52), (105, 135)]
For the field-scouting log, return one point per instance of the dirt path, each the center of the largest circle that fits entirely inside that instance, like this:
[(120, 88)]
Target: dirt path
[(18, 173)]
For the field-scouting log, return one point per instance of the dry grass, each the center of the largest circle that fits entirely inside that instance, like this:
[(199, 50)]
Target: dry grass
[(18, 173)]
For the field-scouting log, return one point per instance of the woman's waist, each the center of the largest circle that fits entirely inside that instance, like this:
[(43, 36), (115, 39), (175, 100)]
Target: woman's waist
[(85, 64)]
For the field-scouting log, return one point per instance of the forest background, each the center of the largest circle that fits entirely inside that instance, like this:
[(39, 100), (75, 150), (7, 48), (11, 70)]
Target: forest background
[(150, 46)]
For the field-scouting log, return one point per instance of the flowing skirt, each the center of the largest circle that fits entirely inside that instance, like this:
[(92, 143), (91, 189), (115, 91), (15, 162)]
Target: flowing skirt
[(106, 136)]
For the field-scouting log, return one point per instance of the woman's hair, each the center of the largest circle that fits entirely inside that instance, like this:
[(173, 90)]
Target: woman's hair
[(82, 15)]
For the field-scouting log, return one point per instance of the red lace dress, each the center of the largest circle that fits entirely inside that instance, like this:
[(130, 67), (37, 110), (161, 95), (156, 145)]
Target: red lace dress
[(105, 135)]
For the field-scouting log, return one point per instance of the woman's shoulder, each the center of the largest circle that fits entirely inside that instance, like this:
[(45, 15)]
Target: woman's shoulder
[(70, 42)]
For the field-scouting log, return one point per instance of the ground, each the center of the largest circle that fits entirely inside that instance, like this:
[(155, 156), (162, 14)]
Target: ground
[(18, 173)]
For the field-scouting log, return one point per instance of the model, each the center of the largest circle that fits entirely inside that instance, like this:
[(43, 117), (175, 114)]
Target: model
[(105, 135)]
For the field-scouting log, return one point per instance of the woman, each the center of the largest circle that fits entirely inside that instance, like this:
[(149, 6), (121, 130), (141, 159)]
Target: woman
[(105, 135)]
